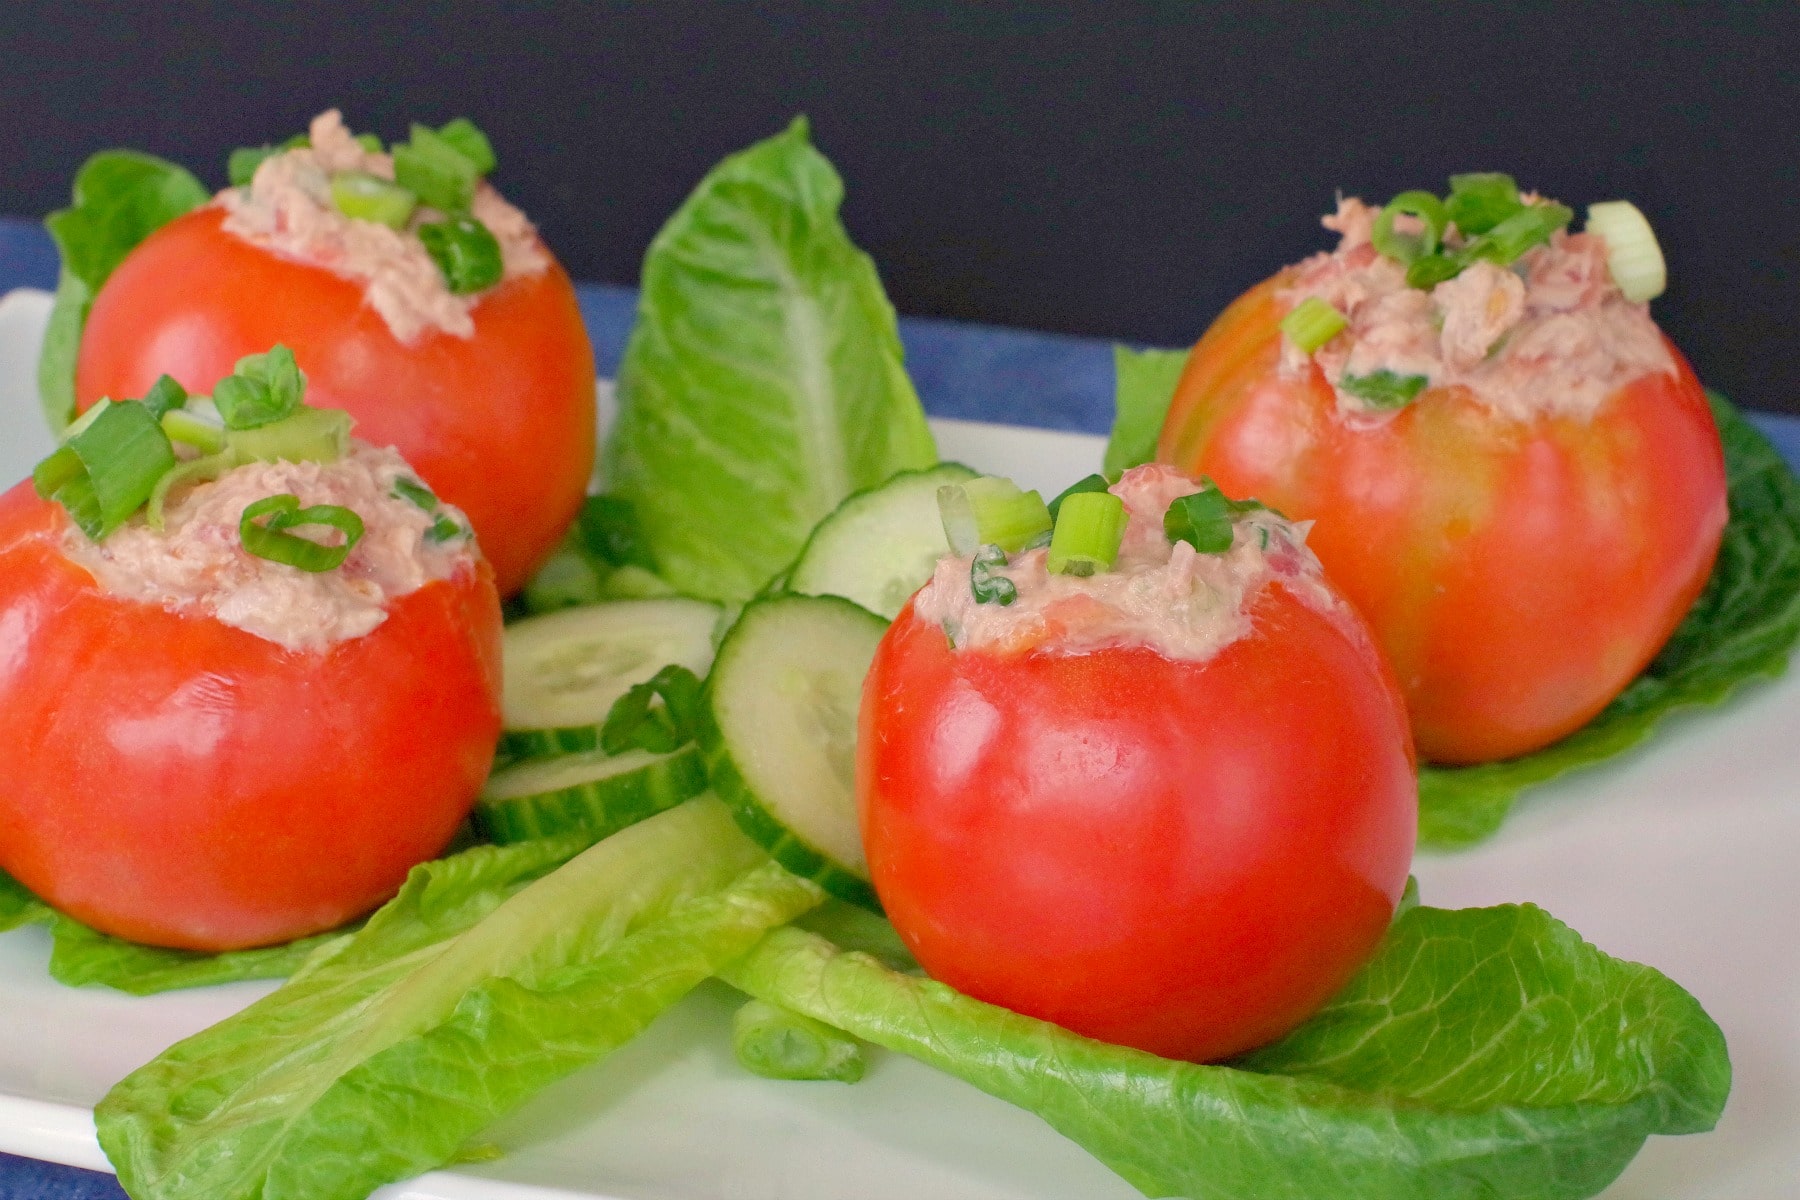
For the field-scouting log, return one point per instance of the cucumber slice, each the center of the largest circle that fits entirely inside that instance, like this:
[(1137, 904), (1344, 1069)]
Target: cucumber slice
[(563, 670), (879, 547), (592, 793), (779, 733)]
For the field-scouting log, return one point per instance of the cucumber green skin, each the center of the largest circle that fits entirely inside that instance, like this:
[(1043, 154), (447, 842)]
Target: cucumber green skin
[(752, 815), (521, 745), (599, 809)]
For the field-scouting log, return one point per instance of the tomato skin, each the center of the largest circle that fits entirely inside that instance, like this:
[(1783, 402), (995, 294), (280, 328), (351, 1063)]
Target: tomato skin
[(173, 780), (1518, 573), (500, 424), (1186, 857)]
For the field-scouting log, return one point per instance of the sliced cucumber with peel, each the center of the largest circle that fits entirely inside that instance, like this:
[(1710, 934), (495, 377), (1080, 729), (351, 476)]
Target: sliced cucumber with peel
[(593, 793), (779, 733), (880, 546), (564, 670)]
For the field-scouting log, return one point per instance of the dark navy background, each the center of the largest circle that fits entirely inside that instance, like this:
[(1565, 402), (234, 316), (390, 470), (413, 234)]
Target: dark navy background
[(1118, 169)]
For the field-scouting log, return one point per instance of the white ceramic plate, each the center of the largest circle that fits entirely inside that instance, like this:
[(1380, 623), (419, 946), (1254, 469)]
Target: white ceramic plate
[(1681, 856)]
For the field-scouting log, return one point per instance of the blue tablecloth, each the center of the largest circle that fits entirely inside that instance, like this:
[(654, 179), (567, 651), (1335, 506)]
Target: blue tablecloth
[(975, 372)]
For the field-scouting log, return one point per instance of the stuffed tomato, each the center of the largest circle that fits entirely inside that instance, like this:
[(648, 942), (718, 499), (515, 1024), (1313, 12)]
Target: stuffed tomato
[(1515, 476), (414, 297), (1168, 803), (244, 693)]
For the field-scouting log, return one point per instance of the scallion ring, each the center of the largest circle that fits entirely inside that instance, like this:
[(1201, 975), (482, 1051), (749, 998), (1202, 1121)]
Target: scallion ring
[(1404, 248), (1311, 323), (1089, 529), (271, 541)]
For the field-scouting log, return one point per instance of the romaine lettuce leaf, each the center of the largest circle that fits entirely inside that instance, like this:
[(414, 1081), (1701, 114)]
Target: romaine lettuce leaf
[(120, 198), (1742, 628), (18, 906), (81, 956), (265, 1104), (1484, 1053), (1145, 384), (763, 380)]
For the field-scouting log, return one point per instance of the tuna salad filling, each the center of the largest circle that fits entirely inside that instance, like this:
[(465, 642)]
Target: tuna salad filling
[(198, 564), (288, 209), (1549, 335), (1161, 593)]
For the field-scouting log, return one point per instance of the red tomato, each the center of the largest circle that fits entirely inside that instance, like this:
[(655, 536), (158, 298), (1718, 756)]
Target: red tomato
[(1189, 857), (173, 780), (500, 424), (1518, 573)]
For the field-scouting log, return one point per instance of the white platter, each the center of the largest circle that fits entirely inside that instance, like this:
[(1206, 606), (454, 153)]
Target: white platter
[(1682, 856)]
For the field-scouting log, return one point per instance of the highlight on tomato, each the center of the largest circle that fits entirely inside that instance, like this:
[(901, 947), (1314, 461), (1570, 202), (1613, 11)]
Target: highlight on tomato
[(412, 295), (1513, 473), (249, 668), (1151, 780)]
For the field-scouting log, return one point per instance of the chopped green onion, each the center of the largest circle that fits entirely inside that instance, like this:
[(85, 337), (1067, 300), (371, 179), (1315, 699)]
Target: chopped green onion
[(434, 169), (471, 143), (1088, 532), (466, 253), (1429, 270), (1093, 483), (1383, 388), (80, 424), (609, 528), (271, 541), (985, 581), (369, 197), (445, 529), (1405, 247), (165, 396), (108, 469), (320, 435), (184, 427), (418, 493), (1526, 229), (199, 470), (1203, 520), (1481, 200), (263, 388), (633, 724), (1632, 253), (241, 166), (989, 510), (1312, 323), (370, 142)]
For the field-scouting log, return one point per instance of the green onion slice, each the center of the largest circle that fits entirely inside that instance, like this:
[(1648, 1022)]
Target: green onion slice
[(164, 396), (635, 723), (445, 529), (1311, 323), (78, 426), (1524, 230), (107, 471), (241, 166), (1632, 253), (199, 470), (1205, 519), (320, 435), (985, 581), (989, 510), (263, 388), (1093, 483), (433, 168), (466, 253), (1405, 247), (367, 197), (1088, 532), (272, 541), (416, 492), (467, 140), (1383, 388), (1481, 200), (190, 430), (1428, 271)]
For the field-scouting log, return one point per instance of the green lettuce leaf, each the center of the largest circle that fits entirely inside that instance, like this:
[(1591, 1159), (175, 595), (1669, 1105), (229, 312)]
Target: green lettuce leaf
[(1742, 628), (1145, 383), (249, 1107), (19, 907), (763, 381), (81, 956), (120, 198), (1484, 1053)]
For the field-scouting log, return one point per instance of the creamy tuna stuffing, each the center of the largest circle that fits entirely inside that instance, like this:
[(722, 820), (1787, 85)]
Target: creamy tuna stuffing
[(1164, 595), (287, 209), (1551, 335), (198, 564)]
